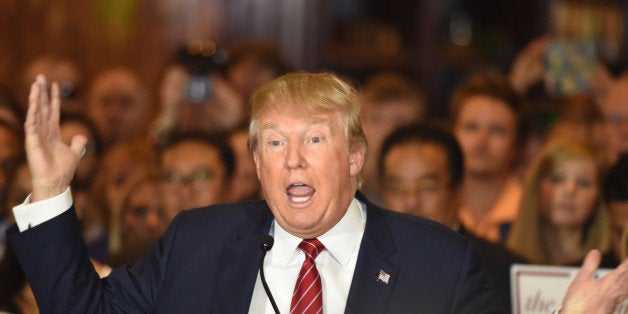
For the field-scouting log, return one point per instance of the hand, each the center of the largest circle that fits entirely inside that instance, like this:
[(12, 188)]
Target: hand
[(528, 67), (51, 161), (589, 295), (229, 104), (600, 79), (172, 93)]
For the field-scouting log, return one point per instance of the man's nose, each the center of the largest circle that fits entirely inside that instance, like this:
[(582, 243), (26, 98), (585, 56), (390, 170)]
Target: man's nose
[(152, 220), (412, 200), (294, 156), (482, 136)]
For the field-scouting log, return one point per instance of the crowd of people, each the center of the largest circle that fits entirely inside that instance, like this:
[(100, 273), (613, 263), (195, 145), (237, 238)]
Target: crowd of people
[(537, 178)]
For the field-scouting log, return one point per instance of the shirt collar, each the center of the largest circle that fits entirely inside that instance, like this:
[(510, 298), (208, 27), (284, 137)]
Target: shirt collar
[(340, 241)]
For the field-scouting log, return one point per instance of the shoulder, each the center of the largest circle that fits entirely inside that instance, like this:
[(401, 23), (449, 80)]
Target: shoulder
[(224, 211), (412, 235), (221, 218), (431, 235), (490, 251), (406, 228), (419, 225)]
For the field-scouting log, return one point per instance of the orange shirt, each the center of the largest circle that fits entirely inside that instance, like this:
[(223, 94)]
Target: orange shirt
[(504, 210)]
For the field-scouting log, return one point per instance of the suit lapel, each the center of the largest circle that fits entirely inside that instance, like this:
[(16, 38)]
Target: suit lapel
[(239, 264), (375, 276)]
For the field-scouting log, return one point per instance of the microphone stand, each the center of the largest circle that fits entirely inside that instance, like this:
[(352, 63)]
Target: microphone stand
[(267, 244)]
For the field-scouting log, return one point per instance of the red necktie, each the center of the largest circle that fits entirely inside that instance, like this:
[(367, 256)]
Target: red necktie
[(308, 291)]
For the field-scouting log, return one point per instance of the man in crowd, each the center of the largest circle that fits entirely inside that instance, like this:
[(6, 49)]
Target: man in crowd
[(487, 120)]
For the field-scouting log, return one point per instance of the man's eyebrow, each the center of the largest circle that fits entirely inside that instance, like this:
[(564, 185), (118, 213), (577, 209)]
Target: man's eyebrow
[(269, 125), (317, 120)]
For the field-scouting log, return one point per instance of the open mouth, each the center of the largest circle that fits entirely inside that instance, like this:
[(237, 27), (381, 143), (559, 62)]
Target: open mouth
[(299, 192)]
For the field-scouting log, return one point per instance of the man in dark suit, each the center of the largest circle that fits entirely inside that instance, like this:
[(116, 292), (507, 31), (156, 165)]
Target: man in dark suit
[(308, 148)]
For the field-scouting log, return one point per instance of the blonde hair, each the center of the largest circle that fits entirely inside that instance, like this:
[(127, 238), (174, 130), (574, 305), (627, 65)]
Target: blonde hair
[(312, 93), (525, 237)]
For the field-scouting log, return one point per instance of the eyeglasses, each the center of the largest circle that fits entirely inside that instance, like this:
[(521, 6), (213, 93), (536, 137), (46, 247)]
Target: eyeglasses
[(197, 176)]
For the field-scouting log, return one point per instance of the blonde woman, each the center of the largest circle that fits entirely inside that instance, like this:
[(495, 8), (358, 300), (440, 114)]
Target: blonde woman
[(137, 218), (561, 214)]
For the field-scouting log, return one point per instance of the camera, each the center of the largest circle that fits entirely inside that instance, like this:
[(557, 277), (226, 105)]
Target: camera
[(199, 89)]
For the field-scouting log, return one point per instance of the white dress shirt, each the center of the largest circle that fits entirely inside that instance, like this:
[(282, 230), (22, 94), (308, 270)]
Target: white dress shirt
[(282, 264), (335, 264)]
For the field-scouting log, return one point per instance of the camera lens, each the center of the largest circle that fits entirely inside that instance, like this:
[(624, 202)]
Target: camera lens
[(199, 89), (67, 90)]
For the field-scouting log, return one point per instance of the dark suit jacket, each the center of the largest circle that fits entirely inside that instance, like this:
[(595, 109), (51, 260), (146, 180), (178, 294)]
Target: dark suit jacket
[(497, 260), (207, 262)]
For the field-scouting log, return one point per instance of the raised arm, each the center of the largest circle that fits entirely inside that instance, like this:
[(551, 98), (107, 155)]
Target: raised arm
[(52, 162)]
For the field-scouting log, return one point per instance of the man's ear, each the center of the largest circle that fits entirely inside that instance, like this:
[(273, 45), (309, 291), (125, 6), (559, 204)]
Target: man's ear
[(356, 161), (256, 160)]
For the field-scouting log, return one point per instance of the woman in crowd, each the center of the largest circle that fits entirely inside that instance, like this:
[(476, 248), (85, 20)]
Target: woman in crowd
[(138, 218), (561, 216)]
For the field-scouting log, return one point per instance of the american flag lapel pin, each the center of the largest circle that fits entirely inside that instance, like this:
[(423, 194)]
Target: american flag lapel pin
[(383, 276)]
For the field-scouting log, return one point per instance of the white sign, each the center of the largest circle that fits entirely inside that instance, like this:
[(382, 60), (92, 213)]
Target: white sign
[(541, 289)]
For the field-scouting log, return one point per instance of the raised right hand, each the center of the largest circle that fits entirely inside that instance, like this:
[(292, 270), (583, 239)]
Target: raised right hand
[(52, 162)]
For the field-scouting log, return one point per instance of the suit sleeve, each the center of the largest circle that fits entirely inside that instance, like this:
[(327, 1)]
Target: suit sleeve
[(475, 292), (55, 261)]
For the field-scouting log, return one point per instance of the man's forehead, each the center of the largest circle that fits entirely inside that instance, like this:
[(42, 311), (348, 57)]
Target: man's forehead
[(274, 124), (424, 153)]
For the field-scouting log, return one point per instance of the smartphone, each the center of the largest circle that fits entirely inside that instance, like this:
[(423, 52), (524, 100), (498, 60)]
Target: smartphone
[(568, 66)]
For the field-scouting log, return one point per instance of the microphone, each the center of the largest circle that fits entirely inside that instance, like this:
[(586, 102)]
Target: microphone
[(267, 244)]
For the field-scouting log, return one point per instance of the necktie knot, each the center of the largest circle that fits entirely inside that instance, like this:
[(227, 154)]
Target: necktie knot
[(311, 248)]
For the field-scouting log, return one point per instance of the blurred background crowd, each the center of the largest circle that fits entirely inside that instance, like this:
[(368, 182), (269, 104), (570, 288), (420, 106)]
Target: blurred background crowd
[(504, 120)]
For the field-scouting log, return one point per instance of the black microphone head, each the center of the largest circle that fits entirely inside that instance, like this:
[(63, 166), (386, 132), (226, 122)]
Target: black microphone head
[(267, 243)]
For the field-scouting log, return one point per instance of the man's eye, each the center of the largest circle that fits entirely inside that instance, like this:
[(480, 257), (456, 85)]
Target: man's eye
[(316, 139), (275, 143), (496, 130), (585, 182), (470, 127), (139, 212)]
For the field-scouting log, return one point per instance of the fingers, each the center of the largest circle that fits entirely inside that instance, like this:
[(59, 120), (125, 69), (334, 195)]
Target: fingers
[(55, 105), (621, 272), (589, 266), (44, 99), (38, 101), (77, 144), (33, 104), (615, 286)]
